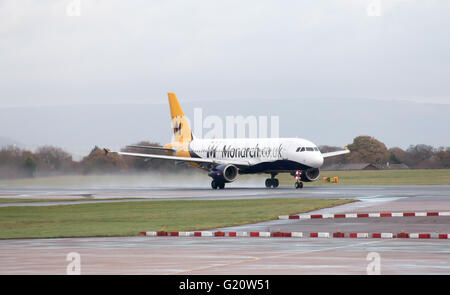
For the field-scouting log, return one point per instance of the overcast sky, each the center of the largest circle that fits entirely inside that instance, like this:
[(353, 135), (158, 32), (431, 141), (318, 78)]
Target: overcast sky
[(78, 52), (111, 51)]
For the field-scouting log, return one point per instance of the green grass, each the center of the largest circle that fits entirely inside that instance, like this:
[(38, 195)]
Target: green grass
[(129, 218), (17, 200), (380, 177)]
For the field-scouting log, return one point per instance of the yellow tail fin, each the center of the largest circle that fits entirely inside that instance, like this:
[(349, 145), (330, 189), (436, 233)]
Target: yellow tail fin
[(180, 125)]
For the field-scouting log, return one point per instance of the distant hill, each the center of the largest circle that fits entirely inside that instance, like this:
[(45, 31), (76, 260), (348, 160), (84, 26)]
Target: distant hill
[(78, 129)]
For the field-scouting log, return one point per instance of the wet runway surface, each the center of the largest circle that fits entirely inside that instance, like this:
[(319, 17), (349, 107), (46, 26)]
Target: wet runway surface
[(142, 255), (217, 255), (364, 193)]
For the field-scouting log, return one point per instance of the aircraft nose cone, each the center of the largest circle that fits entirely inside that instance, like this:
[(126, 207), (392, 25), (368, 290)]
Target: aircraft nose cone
[(317, 161)]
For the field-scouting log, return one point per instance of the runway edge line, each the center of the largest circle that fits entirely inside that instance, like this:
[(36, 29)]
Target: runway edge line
[(363, 215), (325, 235)]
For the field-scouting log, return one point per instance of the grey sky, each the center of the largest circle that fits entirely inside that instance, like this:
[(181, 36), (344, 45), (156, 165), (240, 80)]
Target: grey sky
[(136, 51), (126, 52)]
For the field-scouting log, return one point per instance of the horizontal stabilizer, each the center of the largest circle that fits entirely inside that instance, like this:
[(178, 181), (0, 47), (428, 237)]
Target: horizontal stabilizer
[(158, 148)]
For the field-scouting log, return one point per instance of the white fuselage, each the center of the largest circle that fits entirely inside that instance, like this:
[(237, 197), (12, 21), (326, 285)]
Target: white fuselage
[(283, 151)]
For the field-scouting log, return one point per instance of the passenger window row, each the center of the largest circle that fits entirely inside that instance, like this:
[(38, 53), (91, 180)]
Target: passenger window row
[(309, 149)]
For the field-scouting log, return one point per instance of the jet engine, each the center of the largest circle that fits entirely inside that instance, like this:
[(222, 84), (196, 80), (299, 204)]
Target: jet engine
[(224, 173), (310, 174)]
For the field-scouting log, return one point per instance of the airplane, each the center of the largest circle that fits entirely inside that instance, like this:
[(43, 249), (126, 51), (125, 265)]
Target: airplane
[(224, 159)]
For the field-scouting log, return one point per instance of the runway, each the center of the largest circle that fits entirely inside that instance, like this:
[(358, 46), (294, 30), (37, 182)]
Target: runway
[(141, 255), (368, 194), (216, 255)]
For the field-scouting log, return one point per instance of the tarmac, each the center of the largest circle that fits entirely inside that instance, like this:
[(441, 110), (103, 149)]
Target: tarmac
[(244, 255)]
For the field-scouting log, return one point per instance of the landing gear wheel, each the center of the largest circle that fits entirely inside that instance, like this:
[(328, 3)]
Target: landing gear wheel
[(275, 183), (272, 182), (298, 184), (222, 185), (214, 184)]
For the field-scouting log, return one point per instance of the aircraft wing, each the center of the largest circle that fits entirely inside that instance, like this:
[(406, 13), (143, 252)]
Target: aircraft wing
[(336, 153), (158, 148), (213, 162)]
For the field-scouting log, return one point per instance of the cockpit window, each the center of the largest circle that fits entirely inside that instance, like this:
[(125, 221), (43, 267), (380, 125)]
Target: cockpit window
[(300, 149), (316, 149), (310, 149)]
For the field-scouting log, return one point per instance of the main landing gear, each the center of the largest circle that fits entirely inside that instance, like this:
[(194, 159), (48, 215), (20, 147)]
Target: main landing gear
[(216, 184), (272, 181), (298, 177)]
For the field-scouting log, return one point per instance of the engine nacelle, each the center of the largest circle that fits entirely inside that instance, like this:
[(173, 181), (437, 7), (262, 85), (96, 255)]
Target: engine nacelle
[(310, 174), (224, 173)]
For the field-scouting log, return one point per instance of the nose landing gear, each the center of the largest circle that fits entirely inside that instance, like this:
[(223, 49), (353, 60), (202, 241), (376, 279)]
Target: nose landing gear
[(298, 176), (298, 184)]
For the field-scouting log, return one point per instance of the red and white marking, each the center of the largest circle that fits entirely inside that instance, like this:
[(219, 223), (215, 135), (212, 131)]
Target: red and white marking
[(298, 235), (362, 215)]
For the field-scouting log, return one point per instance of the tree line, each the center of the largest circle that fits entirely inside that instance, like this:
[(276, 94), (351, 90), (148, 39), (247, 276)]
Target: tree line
[(49, 160), (16, 162), (366, 149)]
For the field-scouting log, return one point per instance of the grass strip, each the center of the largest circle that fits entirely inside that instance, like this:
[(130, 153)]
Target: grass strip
[(129, 218)]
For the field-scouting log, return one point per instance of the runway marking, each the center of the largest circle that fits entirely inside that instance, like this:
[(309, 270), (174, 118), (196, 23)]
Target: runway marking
[(363, 215), (215, 266), (300, 235), (329, 248), (255, 258)]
